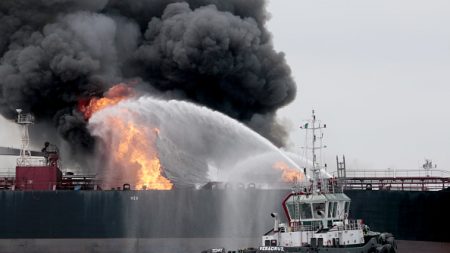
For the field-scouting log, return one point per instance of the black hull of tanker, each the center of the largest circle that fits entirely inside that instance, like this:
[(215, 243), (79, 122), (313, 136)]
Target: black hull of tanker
[(203, 213)]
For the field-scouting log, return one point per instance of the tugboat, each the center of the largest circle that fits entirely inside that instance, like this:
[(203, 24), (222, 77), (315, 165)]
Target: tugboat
[(318, 217)]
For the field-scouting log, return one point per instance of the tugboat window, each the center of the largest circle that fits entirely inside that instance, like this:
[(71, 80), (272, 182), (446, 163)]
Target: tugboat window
[(292, 212), (330, 209), (305, 211), (334, 208), (347, 207), (318, 210)]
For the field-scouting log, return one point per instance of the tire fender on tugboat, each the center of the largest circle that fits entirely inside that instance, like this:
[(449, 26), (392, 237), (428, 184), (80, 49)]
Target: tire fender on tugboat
[(388, 244)]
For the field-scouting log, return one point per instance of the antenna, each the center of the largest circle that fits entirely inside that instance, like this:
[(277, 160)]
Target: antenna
[(24, 120), (315, 125), (428, 166)]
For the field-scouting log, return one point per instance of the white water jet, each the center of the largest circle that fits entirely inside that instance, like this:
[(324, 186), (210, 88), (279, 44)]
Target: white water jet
[(195, 144), (247, 167)]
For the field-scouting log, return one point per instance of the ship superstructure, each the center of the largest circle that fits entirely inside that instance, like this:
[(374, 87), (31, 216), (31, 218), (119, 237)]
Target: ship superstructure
[(40, 170)]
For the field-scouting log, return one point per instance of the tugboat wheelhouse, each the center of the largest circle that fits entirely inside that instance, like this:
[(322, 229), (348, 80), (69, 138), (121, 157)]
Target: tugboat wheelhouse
[(318, 211)]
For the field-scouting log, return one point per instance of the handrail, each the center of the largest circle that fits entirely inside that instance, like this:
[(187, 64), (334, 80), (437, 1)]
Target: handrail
[(7, 174), (11, 183), (350, 224), (395, 173), (31, 161), (25, 118)]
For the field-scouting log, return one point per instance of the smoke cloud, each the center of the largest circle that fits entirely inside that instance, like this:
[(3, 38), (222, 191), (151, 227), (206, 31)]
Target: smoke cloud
[(216, 53)]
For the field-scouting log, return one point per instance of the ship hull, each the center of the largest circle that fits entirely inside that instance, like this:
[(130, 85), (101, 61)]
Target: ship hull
[(165, 245), (133, 221)]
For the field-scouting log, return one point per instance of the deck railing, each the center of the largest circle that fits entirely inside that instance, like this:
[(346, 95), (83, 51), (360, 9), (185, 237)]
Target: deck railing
[(352, 225), (72, 182), (396, 173), (402, 180), (31, 161), (349, 224)]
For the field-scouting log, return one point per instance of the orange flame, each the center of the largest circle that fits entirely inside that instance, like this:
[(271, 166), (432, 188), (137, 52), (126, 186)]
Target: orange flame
[(135, 148), (113, 96), (288, 174)]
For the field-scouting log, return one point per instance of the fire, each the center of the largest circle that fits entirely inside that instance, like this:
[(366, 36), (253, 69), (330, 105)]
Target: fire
[(113, 96), (288, 174), (136, 150), (134, 145)]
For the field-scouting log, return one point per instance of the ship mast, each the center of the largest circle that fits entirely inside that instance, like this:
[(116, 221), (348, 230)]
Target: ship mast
[(316, 127), (24, 120)]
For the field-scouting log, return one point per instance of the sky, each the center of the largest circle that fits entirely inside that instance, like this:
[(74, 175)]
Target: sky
[(377, 72)]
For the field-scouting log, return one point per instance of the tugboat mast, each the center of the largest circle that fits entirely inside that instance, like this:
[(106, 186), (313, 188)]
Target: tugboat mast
[(316, 125)]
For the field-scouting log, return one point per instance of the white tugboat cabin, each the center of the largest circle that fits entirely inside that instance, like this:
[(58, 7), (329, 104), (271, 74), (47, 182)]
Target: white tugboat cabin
[(315, 219)]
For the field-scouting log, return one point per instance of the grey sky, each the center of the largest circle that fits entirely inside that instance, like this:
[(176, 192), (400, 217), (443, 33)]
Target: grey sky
[(376, 71)]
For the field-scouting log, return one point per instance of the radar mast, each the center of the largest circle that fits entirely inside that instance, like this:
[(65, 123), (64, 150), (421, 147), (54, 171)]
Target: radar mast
[(24, 120), (315, 126)]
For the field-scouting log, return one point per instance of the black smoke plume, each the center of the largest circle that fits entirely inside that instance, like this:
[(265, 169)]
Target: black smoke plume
[(217, 53)]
